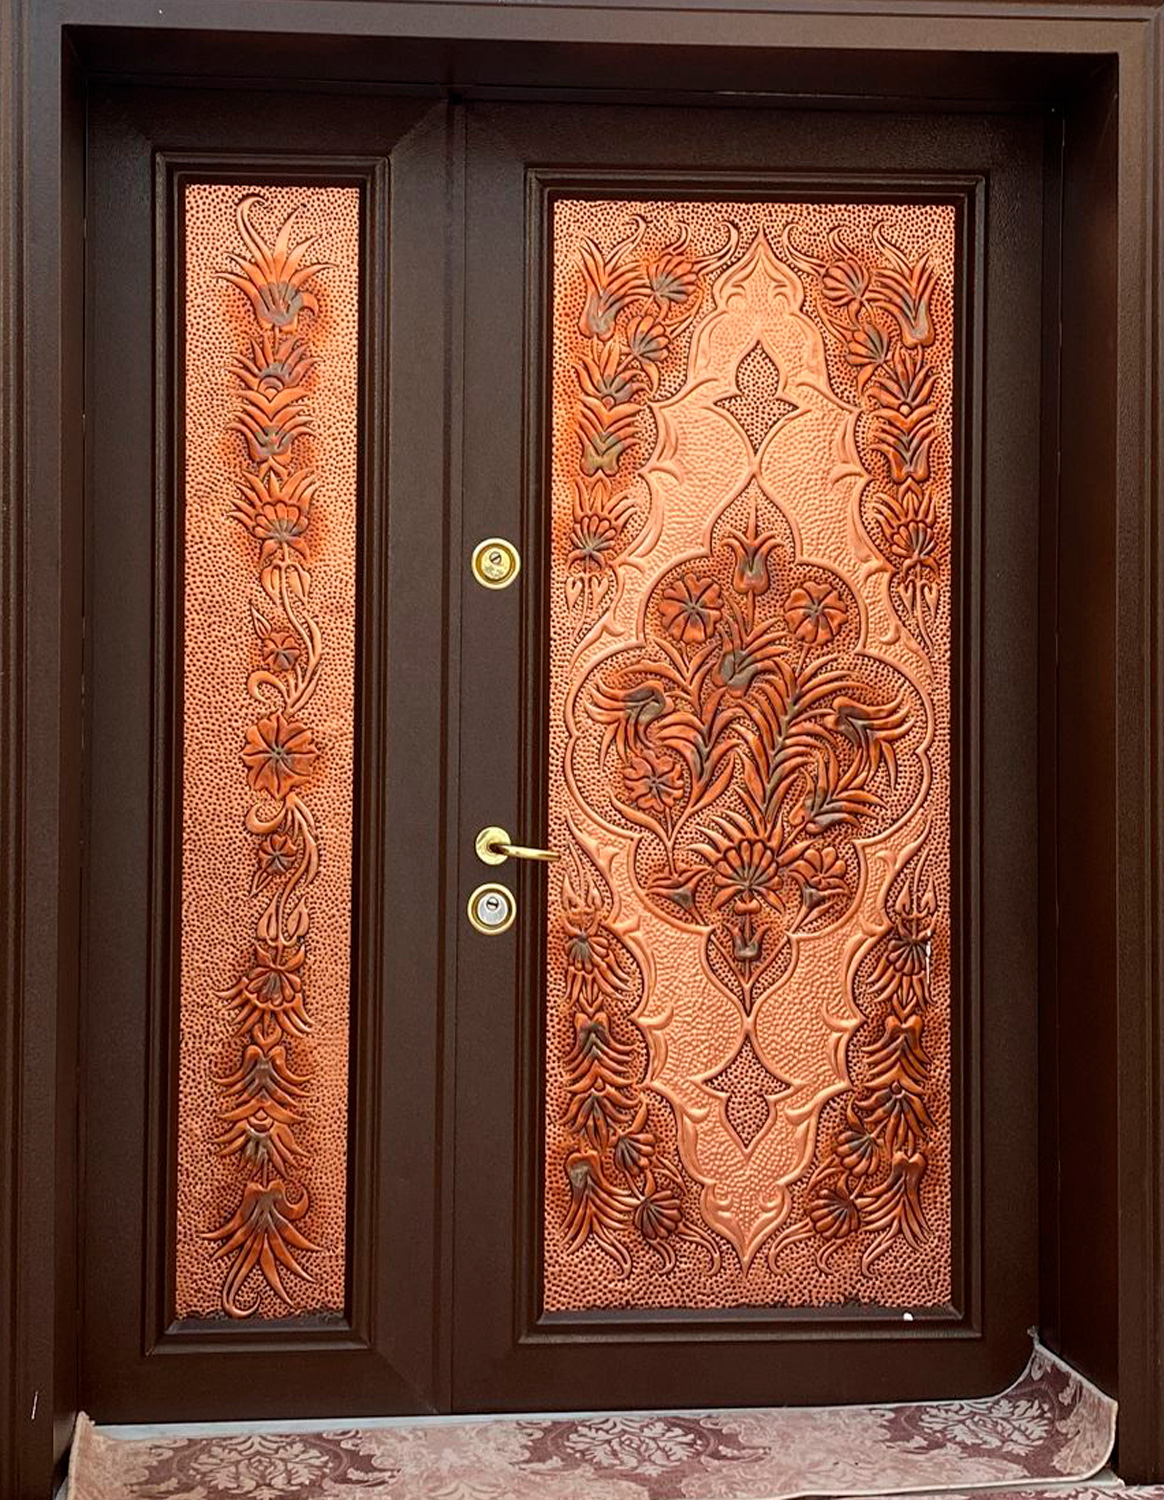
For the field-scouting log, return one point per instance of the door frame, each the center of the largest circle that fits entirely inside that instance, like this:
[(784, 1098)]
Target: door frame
[(1097, 74)]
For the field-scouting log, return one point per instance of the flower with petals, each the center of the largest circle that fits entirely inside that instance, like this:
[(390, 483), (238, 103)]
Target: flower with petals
[(611, 283), (587, 945), (648, 339), (634, 1146), (856, 1150), (821, 874), (272, 987), (653, 781), (281, 650), (913, 544), (746, 871), (867, 348), (751, 572), (658, 1214), (261, 1141), (815, 613), (281, 526), (744, 866), (592, 538), (273, 277), (277, 854), (279, 754), (672, 278), (833, 1212), (845, 283), (607, 377), (691, 608), (274, 364), (276, 512)]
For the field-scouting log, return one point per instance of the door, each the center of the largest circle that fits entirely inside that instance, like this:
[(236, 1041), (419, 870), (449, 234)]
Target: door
[(745, 1097), (262, 1020), (651, 490)]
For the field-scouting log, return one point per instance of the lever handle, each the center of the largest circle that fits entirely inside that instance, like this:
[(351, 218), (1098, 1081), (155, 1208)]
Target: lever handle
[(494, 848)]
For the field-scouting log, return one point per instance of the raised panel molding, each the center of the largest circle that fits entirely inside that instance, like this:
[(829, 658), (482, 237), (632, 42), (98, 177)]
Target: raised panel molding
[(276, 281)]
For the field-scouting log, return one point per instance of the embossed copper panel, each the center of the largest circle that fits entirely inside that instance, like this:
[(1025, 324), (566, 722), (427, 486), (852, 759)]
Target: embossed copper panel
[(272, 332), (748, 1025)]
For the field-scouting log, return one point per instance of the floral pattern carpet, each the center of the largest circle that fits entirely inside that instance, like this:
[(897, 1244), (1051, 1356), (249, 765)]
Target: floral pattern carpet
[(1050, 1428)]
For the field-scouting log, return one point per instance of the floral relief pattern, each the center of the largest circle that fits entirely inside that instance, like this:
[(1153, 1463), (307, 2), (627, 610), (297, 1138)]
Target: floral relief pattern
[(265, 1100), (750, 705), (1050, 1427), (264, 1235)]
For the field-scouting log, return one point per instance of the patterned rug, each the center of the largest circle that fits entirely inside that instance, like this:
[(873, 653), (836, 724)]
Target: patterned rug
[(1050, 1427)]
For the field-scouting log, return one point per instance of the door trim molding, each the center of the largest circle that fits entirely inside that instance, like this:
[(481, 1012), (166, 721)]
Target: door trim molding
[(46, 49)]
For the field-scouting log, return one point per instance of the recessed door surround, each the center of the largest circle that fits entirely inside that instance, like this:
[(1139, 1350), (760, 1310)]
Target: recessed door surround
[(748, 1028)]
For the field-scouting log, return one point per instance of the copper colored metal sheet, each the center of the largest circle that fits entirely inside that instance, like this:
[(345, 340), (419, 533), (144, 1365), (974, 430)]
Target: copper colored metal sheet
[(748, 1028), (272, 329)]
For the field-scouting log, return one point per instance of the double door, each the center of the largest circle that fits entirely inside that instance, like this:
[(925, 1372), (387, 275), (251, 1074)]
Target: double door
[(561, 693)]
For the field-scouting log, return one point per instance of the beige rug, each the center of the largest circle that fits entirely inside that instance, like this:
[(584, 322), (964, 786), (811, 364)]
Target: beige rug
[(1050, 1427)]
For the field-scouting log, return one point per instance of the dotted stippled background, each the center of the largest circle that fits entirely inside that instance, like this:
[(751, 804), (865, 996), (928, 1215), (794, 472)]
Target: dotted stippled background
[(220, 586), (693, 487)]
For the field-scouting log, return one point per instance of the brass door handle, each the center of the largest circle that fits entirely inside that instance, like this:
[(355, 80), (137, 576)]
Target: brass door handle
[(494, 848)]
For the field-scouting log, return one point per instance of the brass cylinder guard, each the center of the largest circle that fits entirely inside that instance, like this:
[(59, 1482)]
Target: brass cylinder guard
[(491, 909), (496, 563)]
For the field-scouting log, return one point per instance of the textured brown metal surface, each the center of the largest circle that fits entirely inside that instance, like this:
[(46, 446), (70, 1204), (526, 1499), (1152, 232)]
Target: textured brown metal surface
[(272, 332), (748, 1032)]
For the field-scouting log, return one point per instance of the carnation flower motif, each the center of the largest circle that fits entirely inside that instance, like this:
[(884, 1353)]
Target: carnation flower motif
[(833, 1211), (648, 340), (598, 518), (273, 278), (821, 874), (276, 512), (272, 987), (658, 1213), (745, 863)]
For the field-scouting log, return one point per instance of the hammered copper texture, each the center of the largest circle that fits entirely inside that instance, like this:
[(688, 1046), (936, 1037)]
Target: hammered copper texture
[(269, 602), (748, 1083)]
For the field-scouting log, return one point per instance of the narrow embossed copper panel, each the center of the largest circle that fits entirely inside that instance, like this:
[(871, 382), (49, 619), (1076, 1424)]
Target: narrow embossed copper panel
[(748, 1028), (269, 581)]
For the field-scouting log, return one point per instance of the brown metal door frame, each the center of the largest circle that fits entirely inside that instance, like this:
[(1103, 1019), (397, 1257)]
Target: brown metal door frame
[(1099, 1026)]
